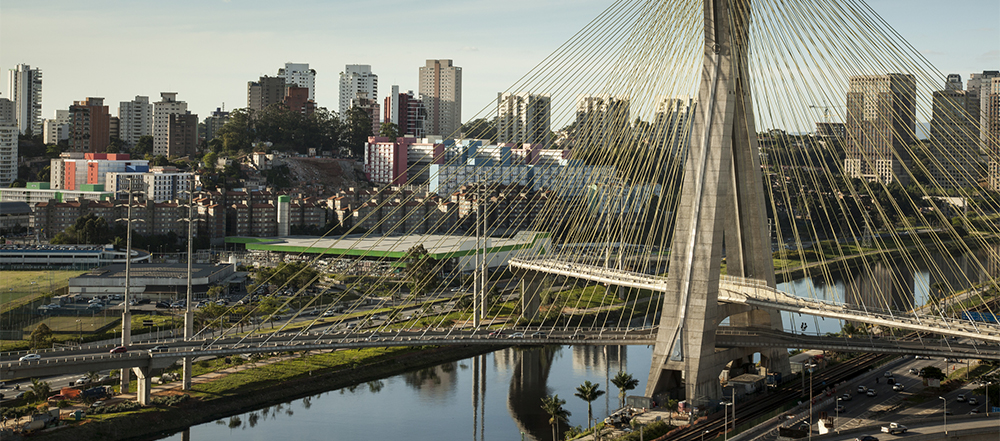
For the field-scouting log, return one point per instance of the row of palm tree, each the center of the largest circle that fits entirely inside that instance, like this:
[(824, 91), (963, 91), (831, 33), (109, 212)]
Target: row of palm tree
[(553, 405)]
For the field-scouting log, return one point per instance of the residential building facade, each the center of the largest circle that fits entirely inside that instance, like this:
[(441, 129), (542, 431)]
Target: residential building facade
[(954, 140), (264, 92), (24, 89), (89, 126), (299, 74), (881, 125), (356, 81), (523, 118), (135, 120), (168, 105), (440, 89)]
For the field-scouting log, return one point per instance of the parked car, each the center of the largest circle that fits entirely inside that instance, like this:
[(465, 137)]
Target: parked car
[(97, 404), (119, 350), (162, 305), (29, 357)]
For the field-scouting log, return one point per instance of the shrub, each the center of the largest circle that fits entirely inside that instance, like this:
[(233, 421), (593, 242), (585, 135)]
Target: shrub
[(171, 400)]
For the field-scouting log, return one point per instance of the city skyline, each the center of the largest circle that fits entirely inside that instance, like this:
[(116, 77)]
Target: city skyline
[(223, 45)]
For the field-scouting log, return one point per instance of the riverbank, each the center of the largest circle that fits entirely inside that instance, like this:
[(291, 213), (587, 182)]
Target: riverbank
[(155, 422)]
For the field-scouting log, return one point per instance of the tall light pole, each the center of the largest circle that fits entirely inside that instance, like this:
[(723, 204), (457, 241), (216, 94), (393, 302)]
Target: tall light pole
[(725, 430), (837, 417), (945, 415), (126, 312), (810, 404), (188, 312)]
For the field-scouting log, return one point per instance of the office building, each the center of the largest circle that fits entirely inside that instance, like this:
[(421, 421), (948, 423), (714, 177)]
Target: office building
[(954, 140), (356, 81), (135, 120), (299, 74), (264, 92), (162, 109), (406, 111), (89, 126), (440, 89), (523, 118), (24, 89), (881, 123)]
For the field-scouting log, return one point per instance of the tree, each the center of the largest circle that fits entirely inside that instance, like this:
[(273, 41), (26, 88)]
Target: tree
[(553, 406), (41, 337), (624, 382), (389, 130), (40, 388), (932, 373), (420, 270), (143, 146), (481, 128), (209, 160), (359, 128), (115, 146), (92, 376), (589, 392)]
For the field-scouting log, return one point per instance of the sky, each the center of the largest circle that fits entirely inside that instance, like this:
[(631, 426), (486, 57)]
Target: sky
[(207, 50)]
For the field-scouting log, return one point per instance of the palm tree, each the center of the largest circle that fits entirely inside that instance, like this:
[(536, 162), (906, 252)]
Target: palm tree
[(553, 406), (624, 382), (40, 388), (93, 376), (589, 392)]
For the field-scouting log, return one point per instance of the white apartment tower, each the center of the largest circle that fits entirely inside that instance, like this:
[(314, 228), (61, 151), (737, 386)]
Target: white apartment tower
[(24, 87), (440, 89), (135, 120), (8, 153), (56, 129), (523, 118), (162, 109), (356, 81), (300, 75)]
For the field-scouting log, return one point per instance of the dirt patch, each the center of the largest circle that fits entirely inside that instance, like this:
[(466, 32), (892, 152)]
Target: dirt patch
[(319, 176)]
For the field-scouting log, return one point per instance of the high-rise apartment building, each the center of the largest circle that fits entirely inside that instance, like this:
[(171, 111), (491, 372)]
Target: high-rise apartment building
[(371, 108), (56, 129), (297, 100), (440, 89), (953, 162), (7, 112), (162, 109), (301, 75), (599, 118), (8, 153), (24, 87), (135, 120), (881, 124), (182, 134), (979, 89), (357, 80), (89, 126), (406, 111), (991, 130), (523, 118), (672, 124), (265, 92), (214, 122)]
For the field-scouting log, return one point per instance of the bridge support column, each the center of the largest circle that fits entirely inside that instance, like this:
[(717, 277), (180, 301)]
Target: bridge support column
[(144, 385), (721, 201), (530, 287)]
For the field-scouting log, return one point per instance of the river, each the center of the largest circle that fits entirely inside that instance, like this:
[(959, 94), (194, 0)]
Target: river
[(496, 396)]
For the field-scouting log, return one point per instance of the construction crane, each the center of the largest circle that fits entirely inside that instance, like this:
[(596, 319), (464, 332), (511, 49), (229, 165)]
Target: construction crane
[(826, 110)]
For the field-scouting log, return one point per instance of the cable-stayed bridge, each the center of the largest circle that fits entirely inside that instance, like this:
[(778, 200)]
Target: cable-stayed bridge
[(678, 133)]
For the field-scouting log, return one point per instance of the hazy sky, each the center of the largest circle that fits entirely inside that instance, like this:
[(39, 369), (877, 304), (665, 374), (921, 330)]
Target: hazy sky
[(207, 50)]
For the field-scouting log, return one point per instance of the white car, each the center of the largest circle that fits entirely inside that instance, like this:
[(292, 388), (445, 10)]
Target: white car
[(30, 357)]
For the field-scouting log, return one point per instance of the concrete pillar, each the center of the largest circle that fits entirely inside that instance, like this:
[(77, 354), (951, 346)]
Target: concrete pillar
[(126, 340), (530, 301), (144, 385)]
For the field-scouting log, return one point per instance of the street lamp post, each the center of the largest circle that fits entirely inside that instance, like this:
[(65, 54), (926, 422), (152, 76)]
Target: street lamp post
[(725, 429), (703, 435), (837, 417), (188, 312), (810, 404), (945, 415)]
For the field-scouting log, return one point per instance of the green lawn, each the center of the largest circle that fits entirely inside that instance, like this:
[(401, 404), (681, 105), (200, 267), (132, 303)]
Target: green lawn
[(87, 324), (16, 287)]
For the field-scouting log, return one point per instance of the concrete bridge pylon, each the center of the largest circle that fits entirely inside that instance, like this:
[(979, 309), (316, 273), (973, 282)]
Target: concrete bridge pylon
[(722, 204)]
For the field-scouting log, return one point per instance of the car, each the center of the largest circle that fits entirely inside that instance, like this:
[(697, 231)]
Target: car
[(19, 396), (913, 371), (890, 380), (517, 335), (897, 387), (330, 313), (840, 408), (539, 334), (81, 381), (30, 357), (374, 337), (95, 306), (119, 350), (973, 411), (862, 389), (866, 438), (887, 374), (871, 393), (163, 305), (97, 404), (845, 397), (495, 334), (973, 401), (159, 348), (961, 398)]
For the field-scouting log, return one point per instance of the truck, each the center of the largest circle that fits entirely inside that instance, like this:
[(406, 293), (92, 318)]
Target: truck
[(95, 393), (894, 429)]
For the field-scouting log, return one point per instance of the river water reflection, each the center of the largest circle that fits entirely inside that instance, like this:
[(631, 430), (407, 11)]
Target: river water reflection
[(496, 396)]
